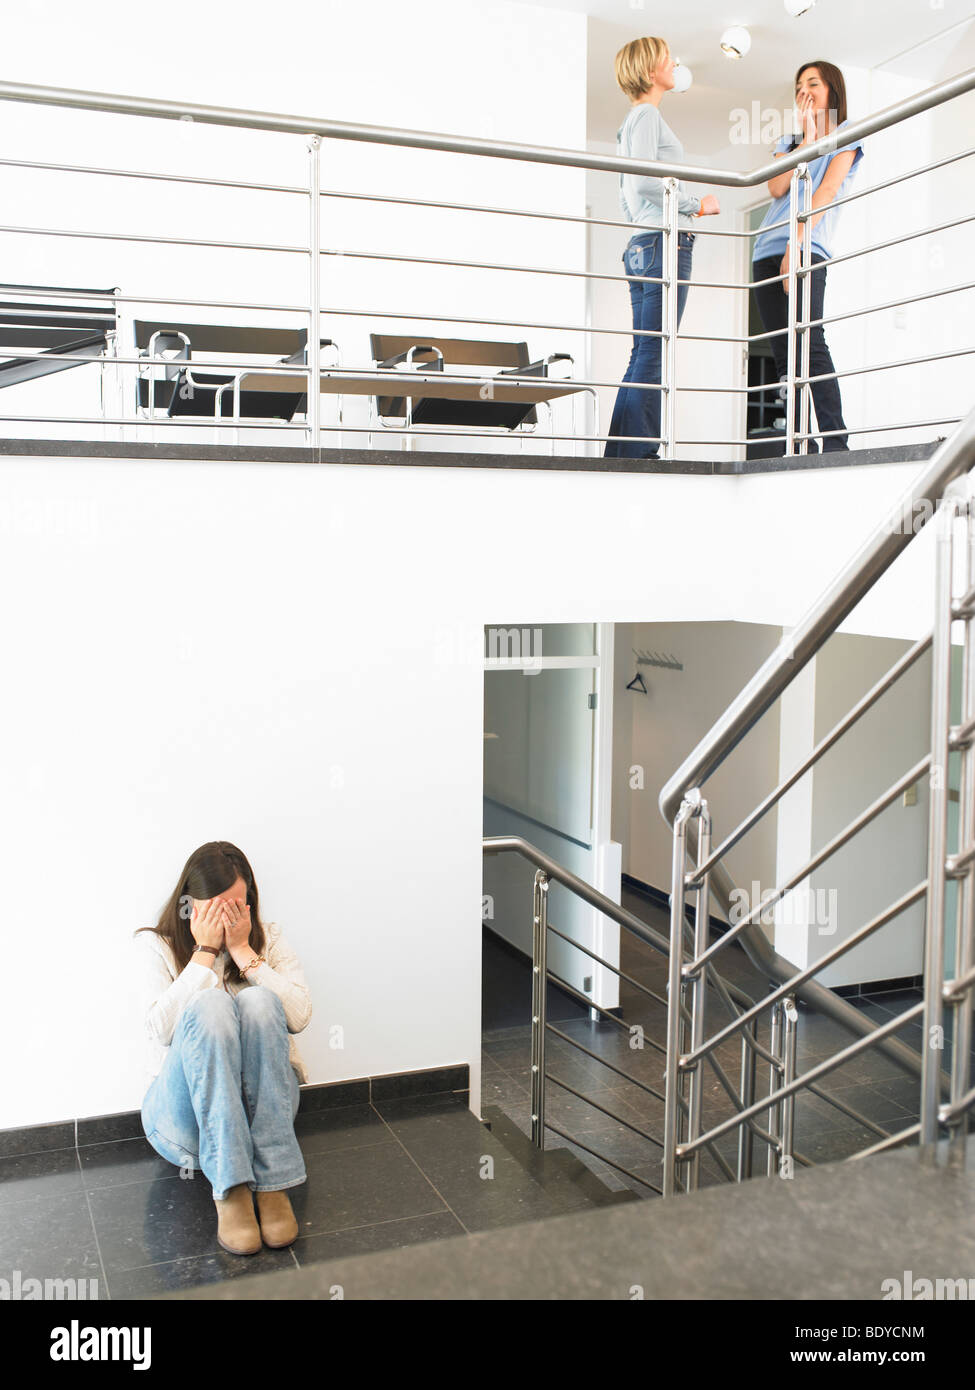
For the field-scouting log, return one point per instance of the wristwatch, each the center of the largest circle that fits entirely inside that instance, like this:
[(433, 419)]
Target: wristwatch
[(214, 950)]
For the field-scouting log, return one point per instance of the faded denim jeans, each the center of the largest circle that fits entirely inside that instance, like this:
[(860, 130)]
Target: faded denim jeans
[(226, 1097)]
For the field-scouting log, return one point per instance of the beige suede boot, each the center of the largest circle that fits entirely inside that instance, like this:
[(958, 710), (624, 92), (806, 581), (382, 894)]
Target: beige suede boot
[(278, 1225), (237, 1229)]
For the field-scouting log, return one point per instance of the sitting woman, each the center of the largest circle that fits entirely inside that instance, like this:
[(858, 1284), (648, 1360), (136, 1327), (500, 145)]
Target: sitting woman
[(222, 994)]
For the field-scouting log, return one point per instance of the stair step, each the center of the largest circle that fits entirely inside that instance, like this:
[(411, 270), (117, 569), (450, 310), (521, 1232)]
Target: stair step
[(564, 1178)]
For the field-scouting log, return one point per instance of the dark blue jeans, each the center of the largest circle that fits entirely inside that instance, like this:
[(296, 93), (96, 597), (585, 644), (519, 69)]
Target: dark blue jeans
[(637, 412), (773, 306)]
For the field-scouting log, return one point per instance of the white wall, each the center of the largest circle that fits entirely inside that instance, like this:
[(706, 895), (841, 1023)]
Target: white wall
[(661, 728), (889, 856), (378, 66), (270, 654)]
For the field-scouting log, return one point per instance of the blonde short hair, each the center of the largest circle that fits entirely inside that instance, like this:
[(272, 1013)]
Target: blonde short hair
[(635, 63)]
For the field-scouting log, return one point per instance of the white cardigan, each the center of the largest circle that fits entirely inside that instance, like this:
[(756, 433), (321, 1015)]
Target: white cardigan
[(165, 992)]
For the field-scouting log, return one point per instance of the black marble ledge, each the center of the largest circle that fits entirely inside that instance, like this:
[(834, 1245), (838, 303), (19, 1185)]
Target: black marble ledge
[(765, 1239), (390, 458)]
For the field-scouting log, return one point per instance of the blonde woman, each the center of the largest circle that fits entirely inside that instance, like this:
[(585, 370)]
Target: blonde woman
[(645, 73)]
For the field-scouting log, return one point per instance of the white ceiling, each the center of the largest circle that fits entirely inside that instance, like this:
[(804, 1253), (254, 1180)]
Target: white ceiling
[(864, 33)]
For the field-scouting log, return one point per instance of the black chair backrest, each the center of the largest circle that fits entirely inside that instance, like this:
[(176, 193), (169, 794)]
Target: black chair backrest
[(224, 337), (460, 352)]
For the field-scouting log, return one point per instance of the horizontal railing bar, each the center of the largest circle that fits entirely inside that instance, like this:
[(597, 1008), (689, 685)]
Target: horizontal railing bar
[(657, 1095), (169, 178), (507, 844), (159, 240), (602, 1157), (825, 434), (163, 421), (827, 261), (633, 227), (890, 304), (889, 183), (823, 746), (891, 1142), (124, 104), (658, 998), (861, 934), (965, 606), (961, 735), (606, 1013), (948, 1113), (193, 364), (214, 304), (882, 429), (378, 314), (119, 104), (957, 864), (821, 1069), (596, 1106), (384, 376), (829, 849), (834, 1100), (955, 990), (402, 259), (886, 366)]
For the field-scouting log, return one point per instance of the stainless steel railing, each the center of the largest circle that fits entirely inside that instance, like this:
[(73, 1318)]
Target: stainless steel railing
[(335, 380), (738, 1005), (945, 485)]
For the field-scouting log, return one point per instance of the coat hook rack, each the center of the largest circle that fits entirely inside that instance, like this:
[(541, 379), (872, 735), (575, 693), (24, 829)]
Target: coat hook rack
[(668, 662)]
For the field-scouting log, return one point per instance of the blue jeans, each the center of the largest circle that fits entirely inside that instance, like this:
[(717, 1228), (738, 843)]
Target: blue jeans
[(638, 412), (226, 1097)]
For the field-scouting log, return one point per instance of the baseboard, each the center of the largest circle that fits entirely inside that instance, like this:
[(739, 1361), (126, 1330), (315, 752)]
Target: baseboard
[(316, 1096)]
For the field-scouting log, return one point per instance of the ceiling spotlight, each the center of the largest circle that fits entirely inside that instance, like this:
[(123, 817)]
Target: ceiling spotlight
[(683, 77), (736, 41), (797, 7)]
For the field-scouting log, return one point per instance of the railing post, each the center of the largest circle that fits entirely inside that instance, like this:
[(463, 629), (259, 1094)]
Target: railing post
[(539, 985), (672, 1072), (749, 1071), (314, 352), (932, 1043), (805, 244), (964, 944), (790, 1015), (790, 400), (774, 1080), (668, 377), (698, 995)]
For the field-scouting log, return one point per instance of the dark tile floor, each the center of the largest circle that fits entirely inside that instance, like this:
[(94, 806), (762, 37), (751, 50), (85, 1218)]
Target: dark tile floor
[(870, 1084), (398, 1172), (380, 1176)]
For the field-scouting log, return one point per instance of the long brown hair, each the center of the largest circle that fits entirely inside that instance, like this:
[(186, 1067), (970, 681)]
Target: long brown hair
[(209, 871), (833, 78)]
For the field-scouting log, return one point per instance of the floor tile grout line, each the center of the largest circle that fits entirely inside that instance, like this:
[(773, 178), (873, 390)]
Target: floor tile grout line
[(425, 1176), (94, 1228), (373, 1225)]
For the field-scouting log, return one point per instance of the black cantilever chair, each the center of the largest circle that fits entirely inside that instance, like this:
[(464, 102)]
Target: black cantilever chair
[(486, 403), (188, 390)]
